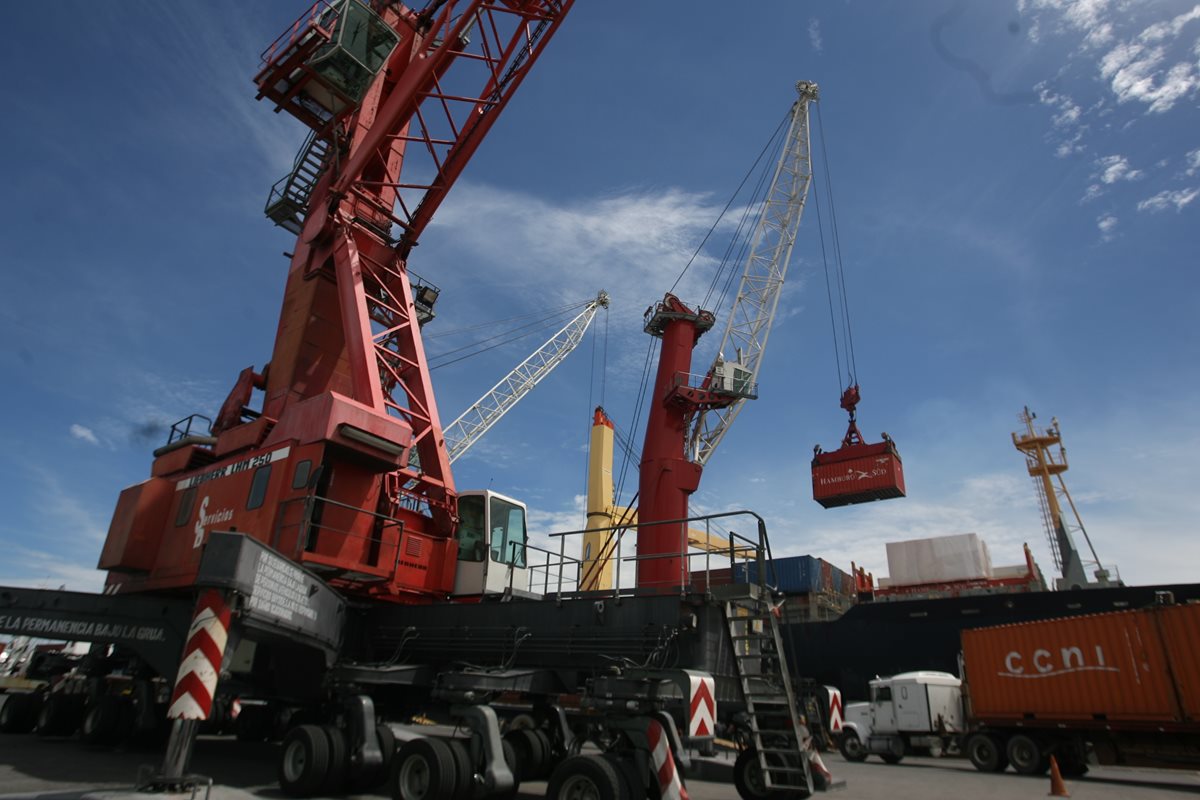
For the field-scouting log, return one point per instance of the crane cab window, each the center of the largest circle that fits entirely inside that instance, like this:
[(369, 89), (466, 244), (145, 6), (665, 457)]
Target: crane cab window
[(300, 477), (258, 487), (470, 533), (508, 532), (883, 694), (185, 506)]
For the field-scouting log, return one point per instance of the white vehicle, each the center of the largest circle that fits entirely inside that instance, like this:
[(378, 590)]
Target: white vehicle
[(913, 709)]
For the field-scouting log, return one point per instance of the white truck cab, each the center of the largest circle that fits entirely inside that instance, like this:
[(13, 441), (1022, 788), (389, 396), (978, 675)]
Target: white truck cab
[(913, 709)]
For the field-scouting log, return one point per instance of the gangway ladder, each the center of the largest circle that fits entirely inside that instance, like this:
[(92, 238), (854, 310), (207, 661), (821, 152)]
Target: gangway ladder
[(287, 206), (770, 698)]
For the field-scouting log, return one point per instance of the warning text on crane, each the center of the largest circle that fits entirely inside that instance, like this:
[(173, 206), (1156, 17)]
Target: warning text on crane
[(280, 590)]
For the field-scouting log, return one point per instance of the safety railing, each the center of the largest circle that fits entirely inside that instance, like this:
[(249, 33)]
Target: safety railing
[(321, 15), (718, 384), (296, 534), (560, 575)]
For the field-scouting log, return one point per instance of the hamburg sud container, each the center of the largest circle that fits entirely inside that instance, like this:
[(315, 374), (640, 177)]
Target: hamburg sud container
[(857, 473), (1127, 668)]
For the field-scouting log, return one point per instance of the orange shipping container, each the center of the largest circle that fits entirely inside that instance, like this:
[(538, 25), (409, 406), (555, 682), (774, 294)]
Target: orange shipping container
[(1129, 666)]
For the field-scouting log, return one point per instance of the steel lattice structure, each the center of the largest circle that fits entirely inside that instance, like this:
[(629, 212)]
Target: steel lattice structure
[(749, 321)]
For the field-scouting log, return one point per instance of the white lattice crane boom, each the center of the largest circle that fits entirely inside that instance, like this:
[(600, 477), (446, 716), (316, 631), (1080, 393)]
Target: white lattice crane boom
[(749, 321), (495, 403)]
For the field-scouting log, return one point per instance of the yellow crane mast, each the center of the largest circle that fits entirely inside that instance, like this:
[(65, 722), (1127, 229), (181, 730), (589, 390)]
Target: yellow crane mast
[(1046, 467)]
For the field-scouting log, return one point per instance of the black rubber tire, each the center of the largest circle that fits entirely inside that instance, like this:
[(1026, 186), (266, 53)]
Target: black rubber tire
[(632, 786), (304, 761), (339, 761), (986, 752), (1072, 767), (896, 758), (424, 769), (60, 715), (387, 744), (588, 772), (550, 756), (103, 721), (747, 776), (1026, 755), (464, 770), (19, 713), (530, 753), (852, 748)]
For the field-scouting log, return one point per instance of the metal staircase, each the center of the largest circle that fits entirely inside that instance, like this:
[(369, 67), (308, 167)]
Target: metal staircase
[(288, 204), (770, 698)]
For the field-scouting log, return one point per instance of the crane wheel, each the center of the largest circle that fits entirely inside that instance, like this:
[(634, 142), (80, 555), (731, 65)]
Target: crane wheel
[(304, 763), (424, 769), (19, 713), (60, 715), (464, 769), (530, 752), (585, 777), (339, 760)]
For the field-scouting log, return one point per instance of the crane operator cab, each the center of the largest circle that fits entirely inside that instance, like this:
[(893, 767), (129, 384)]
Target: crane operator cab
[(491, 539)]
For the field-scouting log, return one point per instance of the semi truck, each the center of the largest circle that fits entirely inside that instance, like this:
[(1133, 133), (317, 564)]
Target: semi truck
[(1118, 688)]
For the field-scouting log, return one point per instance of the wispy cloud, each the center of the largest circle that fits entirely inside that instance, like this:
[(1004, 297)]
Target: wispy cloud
[(814, 34), (1177, 198), (1116, 168), (1107, 223), (84, 434), (1193, 162)]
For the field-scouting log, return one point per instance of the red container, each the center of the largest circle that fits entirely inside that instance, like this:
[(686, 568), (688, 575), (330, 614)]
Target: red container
[(1124, 669), (857, 474)]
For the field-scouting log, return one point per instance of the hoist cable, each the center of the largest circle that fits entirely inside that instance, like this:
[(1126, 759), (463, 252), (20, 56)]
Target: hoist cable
[(526, 333), (852, 364), (727, 206), (529, 329), (828, 290), (443, 334)]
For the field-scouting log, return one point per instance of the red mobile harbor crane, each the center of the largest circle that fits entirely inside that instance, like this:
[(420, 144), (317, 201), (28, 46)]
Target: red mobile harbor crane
[(302, 547)]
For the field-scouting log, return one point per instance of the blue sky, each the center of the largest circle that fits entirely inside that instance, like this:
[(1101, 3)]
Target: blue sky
[(1016, 186)]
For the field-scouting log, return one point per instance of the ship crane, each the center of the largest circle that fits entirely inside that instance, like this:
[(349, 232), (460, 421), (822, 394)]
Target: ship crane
[(690, 414), (1046, 468), (508, 391)]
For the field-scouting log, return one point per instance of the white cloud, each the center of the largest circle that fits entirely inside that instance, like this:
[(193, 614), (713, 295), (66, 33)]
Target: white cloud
[(1169, 29), (1193, 162), (1116, 168), (1165, 199), (1093, 191), (814, 34), (1107, 223), (83, 433)]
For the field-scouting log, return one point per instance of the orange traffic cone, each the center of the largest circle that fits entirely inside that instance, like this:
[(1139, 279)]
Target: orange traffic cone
[(1057, 787)]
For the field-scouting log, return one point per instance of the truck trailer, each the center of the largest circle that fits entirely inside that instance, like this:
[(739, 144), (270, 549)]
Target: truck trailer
[(1120, 688)]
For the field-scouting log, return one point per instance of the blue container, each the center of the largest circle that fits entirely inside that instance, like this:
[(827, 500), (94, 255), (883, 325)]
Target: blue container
[(794, 574)]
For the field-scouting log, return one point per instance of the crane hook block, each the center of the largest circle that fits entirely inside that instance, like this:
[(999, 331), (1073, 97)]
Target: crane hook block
[(857, 472)]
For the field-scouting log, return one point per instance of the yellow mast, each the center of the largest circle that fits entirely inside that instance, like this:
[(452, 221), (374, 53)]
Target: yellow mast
[(1045, 467), (603, 515)]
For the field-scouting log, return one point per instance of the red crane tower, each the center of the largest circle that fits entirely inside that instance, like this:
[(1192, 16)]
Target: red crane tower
[(325, 470)]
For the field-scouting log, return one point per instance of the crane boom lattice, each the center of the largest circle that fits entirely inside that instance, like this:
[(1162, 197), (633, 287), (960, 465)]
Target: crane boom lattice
[(495, 403), (739, 357)]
